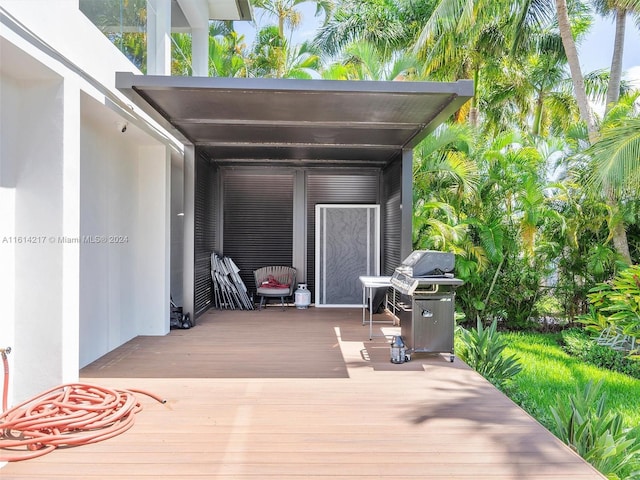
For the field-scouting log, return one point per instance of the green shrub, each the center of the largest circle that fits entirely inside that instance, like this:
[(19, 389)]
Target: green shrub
[(482, 349), (606, 357), (596, 434), (616, 304), (577, 342), (580, 345)]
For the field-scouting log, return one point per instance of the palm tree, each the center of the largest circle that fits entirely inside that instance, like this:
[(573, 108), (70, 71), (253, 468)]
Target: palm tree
[(518, 202), (444, 177), (181, 62), (268, 56), (486, 204), (629, 5), (619, 233), (521, 88), (619, 10), (535, 94), (615, 169), (286, 13), (536, 16), (538, 12), (445, 189), (303, 61), (460, 39), (226, 58), (376, 22), (615, 155), (272, 48), (568, 41), (545, 74), (272, 57), (363, 61), (613, 93), (492, 41)]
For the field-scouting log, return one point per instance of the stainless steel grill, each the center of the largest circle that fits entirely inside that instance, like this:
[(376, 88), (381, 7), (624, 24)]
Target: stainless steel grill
[(425, 302)]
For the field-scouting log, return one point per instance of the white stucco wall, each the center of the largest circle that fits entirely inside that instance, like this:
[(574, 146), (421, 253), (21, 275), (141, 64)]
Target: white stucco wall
[(124, 274), (38, 215), (153, 240), (108, 195), (97, 200), (7, 272), (8, 100), (177, 228)]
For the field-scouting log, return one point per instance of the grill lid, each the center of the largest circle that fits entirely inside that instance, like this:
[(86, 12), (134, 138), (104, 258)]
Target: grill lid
[(423, 271), (423, 263)]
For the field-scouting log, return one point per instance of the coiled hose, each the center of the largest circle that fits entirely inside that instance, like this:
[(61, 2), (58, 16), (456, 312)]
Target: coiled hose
[(68, 415)]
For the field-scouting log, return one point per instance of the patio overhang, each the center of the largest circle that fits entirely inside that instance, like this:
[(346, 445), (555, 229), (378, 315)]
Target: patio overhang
[(294, 122)]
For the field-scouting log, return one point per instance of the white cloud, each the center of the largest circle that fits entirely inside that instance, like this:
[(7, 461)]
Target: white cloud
[(632, 75)]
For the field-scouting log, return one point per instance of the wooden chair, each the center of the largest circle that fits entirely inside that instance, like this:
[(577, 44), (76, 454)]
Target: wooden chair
[(275, 281)]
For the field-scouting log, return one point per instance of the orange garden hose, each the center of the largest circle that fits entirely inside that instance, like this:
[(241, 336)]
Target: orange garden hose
[(68, 415), (5, 365)]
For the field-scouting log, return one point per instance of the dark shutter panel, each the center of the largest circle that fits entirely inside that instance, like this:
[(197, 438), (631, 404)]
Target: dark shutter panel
[(360, 188), (391, 217), (258, 221), (205, 232)]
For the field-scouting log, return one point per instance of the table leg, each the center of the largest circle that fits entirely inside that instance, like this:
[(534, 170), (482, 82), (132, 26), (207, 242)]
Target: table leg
[(371, 314), (364, 302)]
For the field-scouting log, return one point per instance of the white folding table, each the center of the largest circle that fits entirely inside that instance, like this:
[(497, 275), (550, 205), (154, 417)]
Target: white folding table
[(369, 284)]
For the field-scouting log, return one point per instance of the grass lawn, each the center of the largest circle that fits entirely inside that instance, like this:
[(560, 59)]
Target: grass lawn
[(550, 376), (549, 371)]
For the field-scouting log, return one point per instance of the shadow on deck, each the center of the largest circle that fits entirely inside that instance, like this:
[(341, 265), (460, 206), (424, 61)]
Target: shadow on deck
[(304, 394)]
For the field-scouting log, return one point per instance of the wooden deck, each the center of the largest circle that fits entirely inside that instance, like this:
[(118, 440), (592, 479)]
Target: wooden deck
[(304, 394)]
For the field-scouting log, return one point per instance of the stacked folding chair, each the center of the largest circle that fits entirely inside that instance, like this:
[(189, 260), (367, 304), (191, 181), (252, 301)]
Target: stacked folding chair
[(229, 291)]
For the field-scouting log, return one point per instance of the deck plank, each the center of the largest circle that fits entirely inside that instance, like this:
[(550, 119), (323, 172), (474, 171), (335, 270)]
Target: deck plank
[(304, 394)]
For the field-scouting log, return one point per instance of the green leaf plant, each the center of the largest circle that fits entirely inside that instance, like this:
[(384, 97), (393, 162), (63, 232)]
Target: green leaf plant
[(482, 349), (596, 434), (615, 306)]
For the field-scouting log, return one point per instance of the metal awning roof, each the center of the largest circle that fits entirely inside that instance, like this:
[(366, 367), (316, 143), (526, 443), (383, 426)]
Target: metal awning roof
[(283, 121)]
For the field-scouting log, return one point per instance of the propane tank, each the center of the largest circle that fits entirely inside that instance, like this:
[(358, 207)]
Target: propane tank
[(398, 350), (302, 296)]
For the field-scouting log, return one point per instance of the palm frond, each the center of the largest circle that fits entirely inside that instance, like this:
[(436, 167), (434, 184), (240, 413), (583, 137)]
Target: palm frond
[(616, 158)]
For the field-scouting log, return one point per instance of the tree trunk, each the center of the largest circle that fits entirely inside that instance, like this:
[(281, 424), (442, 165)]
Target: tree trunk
[(574, 66), (473, 110), (493, 281), (613, 89), (473, 116), (620, 242), (619, 233), (537, 117)]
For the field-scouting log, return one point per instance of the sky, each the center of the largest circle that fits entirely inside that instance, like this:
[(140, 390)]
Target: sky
[(594, 52)]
